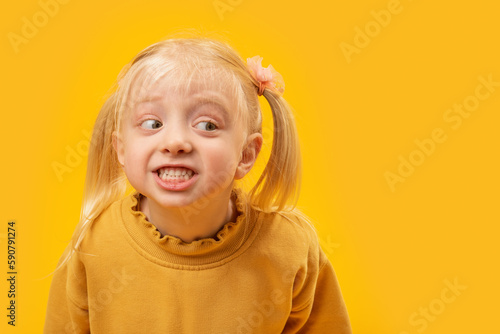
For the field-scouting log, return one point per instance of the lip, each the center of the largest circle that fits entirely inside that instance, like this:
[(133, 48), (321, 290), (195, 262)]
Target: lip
[(175, 186)]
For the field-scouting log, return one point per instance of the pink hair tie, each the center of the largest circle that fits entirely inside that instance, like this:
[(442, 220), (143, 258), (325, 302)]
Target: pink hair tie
[(266, 77)]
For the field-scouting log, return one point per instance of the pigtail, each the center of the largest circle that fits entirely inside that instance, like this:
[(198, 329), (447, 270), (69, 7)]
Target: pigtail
[(280, 180), (105, 182)]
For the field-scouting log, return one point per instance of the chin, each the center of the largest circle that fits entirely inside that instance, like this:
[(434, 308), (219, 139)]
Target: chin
[(174, 201)]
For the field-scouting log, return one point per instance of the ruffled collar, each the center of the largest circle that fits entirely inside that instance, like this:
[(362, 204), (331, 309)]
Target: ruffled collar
[(233, 238)]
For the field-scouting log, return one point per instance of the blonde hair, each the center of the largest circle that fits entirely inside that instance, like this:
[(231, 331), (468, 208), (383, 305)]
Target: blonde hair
[(277, 188)]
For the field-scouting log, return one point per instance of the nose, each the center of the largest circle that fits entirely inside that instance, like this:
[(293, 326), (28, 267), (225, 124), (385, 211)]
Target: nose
[(176, 140)]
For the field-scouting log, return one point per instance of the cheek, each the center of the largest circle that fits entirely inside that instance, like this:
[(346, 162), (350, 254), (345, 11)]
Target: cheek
[(136, 158), (222, 160)]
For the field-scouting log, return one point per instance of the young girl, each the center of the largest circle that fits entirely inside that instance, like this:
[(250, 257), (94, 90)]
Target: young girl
[(187, 251)]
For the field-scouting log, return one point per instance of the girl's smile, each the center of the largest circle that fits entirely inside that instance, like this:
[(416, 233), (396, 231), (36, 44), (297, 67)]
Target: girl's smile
[(175, 177)]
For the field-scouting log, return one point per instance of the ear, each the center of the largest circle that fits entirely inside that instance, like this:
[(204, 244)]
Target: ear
[(119, 147), (249, 155)]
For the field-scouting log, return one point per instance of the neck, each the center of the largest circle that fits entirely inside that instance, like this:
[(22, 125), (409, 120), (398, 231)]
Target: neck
[(192, 222)]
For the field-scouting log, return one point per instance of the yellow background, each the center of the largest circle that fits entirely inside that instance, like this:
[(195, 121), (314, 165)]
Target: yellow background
[(392, 250)]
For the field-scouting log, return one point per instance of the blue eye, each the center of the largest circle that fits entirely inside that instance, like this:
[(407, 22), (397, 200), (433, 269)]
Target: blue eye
[(151, 124), (206, 126)]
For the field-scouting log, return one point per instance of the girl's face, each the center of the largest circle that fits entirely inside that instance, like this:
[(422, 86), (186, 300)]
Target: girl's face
[(181, 146)]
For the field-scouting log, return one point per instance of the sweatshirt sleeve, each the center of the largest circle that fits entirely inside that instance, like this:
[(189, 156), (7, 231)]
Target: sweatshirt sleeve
[(67, 310), (328, 313), (325, 310)]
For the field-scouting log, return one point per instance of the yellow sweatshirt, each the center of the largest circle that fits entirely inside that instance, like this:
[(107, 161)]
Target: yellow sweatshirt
[(265, 274)]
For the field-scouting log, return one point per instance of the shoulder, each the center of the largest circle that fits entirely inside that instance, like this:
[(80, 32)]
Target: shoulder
[(104, 228), (292, 232), (298, 222)]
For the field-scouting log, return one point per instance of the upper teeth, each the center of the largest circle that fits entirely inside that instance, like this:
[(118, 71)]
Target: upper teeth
[(178, 171)]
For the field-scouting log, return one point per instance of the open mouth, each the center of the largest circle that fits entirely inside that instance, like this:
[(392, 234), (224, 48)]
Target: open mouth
[(177, 174)]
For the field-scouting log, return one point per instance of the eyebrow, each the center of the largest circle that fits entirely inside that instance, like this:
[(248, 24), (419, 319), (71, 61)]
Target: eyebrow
[(200, 100), (213, 100)]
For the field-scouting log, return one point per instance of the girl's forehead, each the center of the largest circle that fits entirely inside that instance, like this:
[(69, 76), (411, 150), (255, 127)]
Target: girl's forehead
[(179, 85)]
